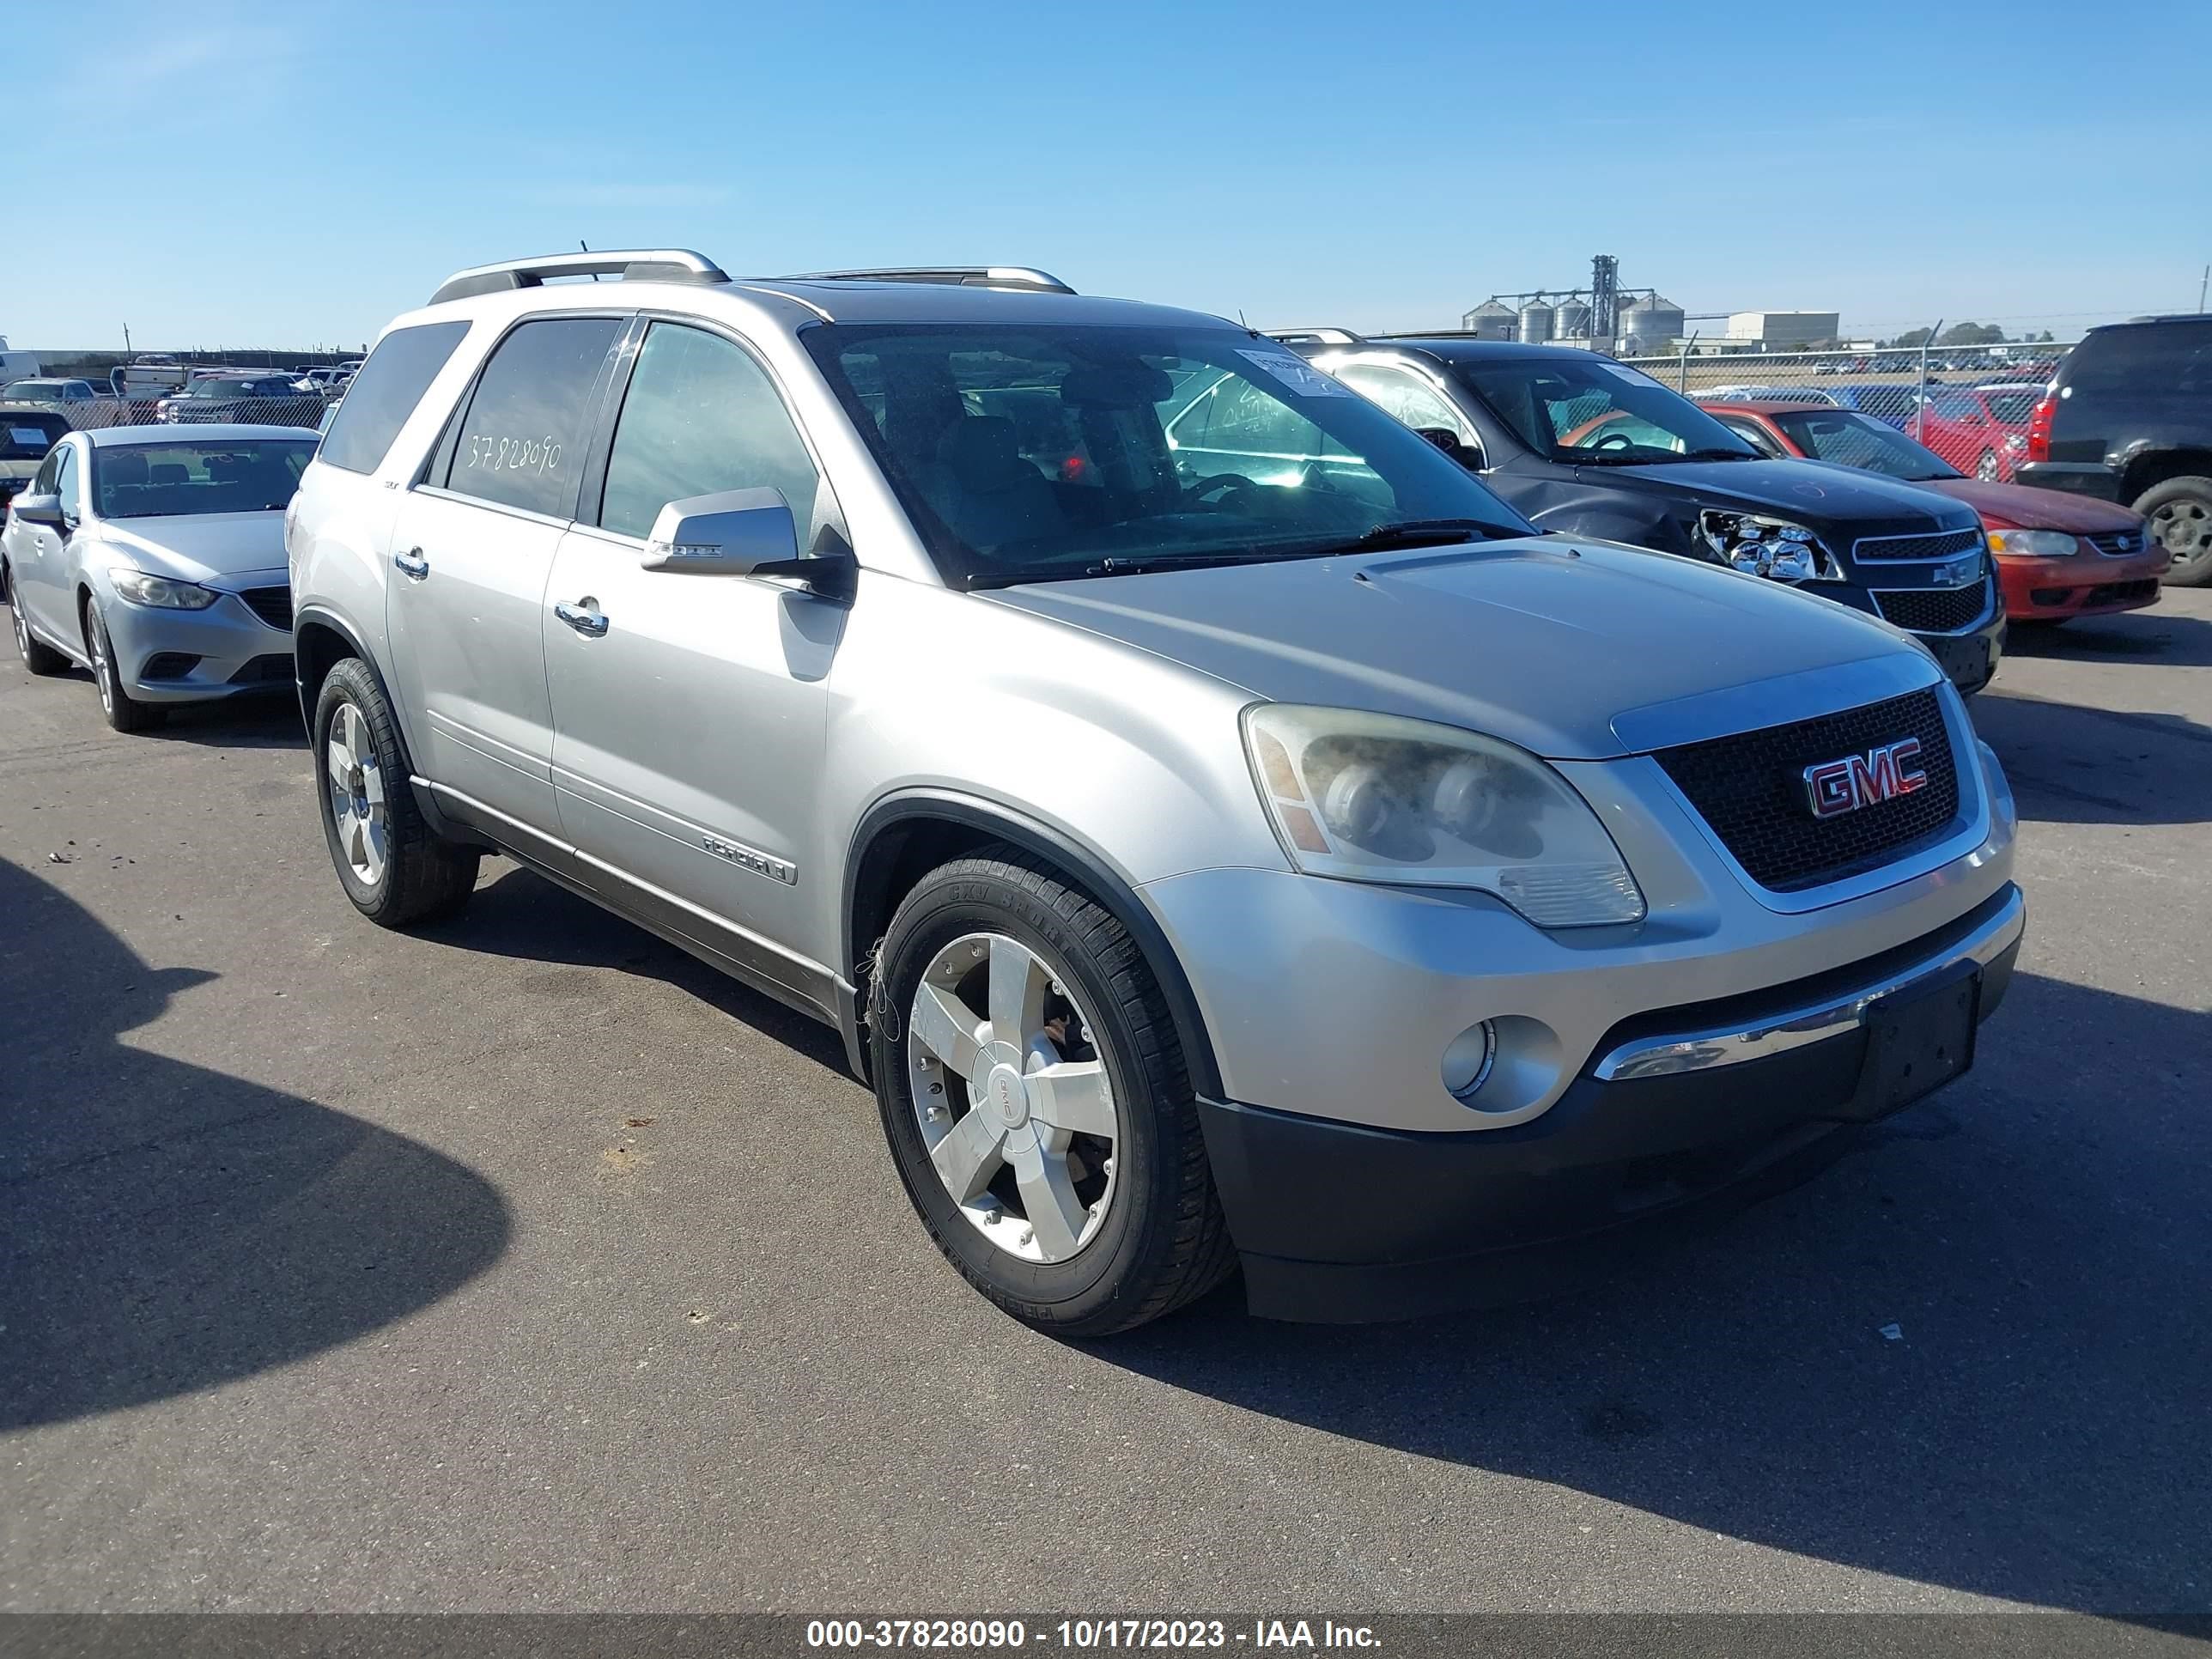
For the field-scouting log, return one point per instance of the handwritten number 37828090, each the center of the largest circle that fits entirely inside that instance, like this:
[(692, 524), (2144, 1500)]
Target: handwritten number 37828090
[(514, 454)]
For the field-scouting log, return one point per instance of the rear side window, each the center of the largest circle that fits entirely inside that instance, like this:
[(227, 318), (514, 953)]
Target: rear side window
[(384, 393), (2162, 359), (700, 416), (521, 443), (25, 437)]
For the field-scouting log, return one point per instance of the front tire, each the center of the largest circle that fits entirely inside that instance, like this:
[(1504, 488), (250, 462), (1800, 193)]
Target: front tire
[(392, 866), (1986, 468), (2181, 514), (123, 712), (38, 656), (1065, 1175)]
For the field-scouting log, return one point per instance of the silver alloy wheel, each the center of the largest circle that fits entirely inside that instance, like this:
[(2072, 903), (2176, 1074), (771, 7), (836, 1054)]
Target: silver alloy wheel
[(356, 792), (2184, 528), (1986, 468), (1023, 1139), (22, 627), (95, 638)]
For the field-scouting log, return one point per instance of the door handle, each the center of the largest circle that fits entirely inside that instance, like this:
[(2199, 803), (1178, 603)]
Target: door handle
[(583, 616), (412, 563)]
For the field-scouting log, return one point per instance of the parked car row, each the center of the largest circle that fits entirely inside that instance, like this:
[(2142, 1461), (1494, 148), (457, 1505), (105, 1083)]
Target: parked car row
[(1226, 824)]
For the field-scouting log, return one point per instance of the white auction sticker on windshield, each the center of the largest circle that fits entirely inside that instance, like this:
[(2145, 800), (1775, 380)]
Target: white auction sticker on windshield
[(1633, 376), (1302, 377), (26, 434)]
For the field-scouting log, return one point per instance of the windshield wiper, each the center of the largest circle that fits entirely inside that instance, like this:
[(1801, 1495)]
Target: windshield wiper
[(1428, 532)]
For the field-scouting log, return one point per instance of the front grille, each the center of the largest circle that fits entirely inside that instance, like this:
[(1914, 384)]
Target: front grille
[(2117, 544), (272, 669), (1750, 789), (272, 604), (1932, 610), (1950, 544)]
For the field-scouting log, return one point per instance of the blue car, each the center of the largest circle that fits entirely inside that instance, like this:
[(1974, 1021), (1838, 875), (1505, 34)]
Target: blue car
[(1886, 401)]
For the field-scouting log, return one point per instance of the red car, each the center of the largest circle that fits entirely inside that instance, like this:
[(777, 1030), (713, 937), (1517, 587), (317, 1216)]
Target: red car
[(2058, 555), (1980, 430)]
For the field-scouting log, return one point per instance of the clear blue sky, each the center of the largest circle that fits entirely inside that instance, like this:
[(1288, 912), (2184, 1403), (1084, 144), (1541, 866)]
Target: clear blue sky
[(226, 172)]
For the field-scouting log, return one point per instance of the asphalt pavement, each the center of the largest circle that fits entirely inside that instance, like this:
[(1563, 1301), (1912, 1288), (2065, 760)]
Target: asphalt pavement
[(524, 1263)]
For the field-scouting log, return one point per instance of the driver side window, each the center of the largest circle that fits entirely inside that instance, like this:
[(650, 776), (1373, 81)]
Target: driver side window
[(1403, 395)]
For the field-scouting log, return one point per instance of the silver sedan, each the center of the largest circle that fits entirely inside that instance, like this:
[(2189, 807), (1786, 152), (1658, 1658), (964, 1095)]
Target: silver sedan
[(155, 559)]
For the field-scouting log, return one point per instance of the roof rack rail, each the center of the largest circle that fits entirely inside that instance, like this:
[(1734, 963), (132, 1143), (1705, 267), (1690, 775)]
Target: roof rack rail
[(1024, 276), (659, 264), (1316, 336)]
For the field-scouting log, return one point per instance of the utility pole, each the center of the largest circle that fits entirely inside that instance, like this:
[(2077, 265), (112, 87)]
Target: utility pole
[(2204, 282), (126, 335)]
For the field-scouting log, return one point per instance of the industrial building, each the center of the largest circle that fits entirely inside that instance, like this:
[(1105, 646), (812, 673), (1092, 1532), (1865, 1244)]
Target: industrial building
[(1784, 329), (1632, 322)]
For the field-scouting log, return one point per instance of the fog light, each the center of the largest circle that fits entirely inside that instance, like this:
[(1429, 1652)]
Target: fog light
[(1468, 1060)]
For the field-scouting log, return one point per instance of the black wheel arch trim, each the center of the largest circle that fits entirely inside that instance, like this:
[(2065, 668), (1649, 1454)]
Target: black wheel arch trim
[(1081, 862)]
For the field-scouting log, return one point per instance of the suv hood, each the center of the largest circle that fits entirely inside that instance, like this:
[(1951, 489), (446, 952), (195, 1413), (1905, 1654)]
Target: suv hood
[(1815, 494), (201, 547), (1540, 641)]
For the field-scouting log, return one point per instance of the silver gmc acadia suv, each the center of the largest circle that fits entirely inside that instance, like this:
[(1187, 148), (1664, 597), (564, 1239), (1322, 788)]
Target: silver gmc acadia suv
[(1305, 866)]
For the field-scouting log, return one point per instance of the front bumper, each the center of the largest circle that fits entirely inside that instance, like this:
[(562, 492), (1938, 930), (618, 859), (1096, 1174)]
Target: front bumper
[(2086, 585), (199, 656), (1345, 1222)]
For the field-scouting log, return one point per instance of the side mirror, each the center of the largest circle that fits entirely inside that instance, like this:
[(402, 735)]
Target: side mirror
[(1449, 441), (40, 509), (742, 532)]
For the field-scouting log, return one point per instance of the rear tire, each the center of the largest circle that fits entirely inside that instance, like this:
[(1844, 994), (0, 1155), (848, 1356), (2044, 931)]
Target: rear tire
[(124, 712), (1986, 468), (1154, 1237), (392, 866), (38, 656), (2181, 514)]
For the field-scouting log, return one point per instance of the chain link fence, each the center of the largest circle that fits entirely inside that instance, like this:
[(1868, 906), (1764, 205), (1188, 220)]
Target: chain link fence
[(90, 390), (1970, 404)]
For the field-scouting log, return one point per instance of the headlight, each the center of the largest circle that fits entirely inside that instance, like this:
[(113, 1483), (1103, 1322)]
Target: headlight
[(140, 588), (1761, 546), (2034, 543), (1377, 798)]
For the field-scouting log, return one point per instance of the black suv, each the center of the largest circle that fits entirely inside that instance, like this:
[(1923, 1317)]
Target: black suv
[(2129, 419), (1585, 445)]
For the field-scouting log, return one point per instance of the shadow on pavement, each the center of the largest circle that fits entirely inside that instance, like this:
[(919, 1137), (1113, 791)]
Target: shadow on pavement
[(165, 1228), (2036, 1430), (521, 914), (2071, 763), (261, 721), (2158, 635)]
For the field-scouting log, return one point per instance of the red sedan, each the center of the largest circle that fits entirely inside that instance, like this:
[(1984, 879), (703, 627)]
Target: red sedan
[(2058, 555), (1982, 430)]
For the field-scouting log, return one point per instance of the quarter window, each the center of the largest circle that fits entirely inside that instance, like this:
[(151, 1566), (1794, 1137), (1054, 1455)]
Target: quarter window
[(384, 393), (701, 417), (521, 443)]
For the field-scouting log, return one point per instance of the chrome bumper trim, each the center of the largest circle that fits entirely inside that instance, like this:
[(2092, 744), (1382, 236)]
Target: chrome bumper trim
[(1833, 1017)]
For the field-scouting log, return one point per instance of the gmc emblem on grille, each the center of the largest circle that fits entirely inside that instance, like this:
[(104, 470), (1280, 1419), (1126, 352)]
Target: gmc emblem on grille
[(1837, 786)]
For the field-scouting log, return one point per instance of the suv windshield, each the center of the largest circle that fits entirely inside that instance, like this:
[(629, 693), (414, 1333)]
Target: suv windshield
[(1598, 412), (150, 481), (223, 388), (1850, 439), (27, 437), (1037, 453)]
